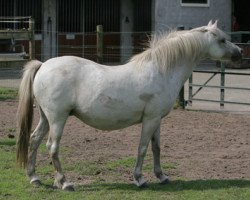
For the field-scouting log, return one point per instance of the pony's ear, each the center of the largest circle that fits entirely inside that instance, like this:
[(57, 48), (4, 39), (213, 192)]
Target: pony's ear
[(210, 23), (215, 25)]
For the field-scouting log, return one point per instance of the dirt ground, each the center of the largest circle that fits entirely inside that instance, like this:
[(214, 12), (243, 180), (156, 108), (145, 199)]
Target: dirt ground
[(201, 145)]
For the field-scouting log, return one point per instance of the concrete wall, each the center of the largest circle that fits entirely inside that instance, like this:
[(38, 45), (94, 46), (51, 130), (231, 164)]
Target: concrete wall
[(49, 36), (126, 29), (170, 14)]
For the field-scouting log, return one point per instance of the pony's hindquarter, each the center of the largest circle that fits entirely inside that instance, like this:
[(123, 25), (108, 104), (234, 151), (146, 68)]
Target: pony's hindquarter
[(25, 111)]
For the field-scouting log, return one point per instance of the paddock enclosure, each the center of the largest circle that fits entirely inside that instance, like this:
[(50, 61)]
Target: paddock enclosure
[(195, 145)]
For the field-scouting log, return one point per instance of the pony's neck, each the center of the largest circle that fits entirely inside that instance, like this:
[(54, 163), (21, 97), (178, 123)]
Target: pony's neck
[(180, 48)]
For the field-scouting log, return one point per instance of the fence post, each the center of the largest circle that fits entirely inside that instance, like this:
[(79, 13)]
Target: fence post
[(99, 43), (31, 39), (181, 94), (190, 90), (222, 84), (182, 98)]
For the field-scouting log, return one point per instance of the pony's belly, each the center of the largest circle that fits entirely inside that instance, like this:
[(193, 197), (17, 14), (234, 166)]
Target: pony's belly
[(109, 121)]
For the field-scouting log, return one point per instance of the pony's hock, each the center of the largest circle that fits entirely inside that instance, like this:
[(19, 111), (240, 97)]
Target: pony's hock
[(142, 91)]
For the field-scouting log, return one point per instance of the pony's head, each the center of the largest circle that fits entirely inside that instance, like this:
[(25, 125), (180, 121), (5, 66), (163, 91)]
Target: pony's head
[(218, 46)]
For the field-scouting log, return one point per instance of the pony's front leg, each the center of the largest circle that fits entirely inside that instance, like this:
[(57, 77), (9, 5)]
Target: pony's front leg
[(149, 126), (156, 153)]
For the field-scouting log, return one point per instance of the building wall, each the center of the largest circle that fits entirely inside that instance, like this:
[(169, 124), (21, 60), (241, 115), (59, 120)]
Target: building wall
[(49, 27), (170, 14), (126, 29)]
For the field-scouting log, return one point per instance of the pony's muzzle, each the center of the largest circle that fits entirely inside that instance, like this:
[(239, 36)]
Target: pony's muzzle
[(237, 55)]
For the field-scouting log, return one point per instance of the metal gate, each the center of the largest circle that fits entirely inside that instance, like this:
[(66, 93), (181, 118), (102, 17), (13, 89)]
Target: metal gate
[(231, 83)]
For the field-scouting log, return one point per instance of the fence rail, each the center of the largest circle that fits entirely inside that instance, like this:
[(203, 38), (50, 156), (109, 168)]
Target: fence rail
[(192, 93)]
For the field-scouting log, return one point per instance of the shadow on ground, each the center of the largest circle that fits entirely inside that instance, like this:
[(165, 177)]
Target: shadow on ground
[(174, 186)]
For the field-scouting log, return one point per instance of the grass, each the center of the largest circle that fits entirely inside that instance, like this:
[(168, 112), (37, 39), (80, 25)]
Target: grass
[(127, 162), (8, 93), (14, 184)]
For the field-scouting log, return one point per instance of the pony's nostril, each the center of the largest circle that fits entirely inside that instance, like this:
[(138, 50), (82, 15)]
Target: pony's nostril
[(237, 55)]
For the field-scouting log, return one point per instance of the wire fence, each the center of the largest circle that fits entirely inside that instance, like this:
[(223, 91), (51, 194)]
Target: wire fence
[(118, 48)]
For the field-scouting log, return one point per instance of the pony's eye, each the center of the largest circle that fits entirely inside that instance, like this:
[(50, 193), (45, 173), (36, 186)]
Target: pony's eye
[(223, 40)]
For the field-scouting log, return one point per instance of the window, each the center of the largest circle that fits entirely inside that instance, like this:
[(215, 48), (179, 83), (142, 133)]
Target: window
[(195, 3)]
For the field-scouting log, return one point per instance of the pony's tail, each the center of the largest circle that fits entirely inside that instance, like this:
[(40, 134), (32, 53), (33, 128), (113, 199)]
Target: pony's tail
[(25, 111)]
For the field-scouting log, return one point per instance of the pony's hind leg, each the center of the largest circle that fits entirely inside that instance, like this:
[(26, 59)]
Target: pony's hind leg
[(56, 130), (35, 140)]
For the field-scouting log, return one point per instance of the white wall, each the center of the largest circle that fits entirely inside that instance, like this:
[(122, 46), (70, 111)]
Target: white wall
[(170, 14)]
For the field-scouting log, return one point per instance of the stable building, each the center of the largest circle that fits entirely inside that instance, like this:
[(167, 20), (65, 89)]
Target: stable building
[(68, 27)]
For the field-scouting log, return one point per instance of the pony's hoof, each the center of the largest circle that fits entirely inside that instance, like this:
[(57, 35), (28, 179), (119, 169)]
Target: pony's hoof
[(144, 185), (68, 187), (164, 180), (141, 183), (36, 183)]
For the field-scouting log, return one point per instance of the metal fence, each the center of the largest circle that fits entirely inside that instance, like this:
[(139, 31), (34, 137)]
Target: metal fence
[(195, 88), (222, 83), (116, 48)]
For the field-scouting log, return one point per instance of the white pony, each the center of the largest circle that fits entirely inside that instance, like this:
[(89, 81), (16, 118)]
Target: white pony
[(108, 98)]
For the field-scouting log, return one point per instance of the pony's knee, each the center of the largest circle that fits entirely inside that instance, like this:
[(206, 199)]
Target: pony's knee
[(142, 151)]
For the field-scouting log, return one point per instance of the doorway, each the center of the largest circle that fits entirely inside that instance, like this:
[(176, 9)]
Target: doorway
[(242, 16)]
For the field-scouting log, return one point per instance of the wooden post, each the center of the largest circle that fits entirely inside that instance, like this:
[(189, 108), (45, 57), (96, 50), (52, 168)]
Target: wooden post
[(31, 39), (190, 90), (222, 84), (99, 43), (182, 97)]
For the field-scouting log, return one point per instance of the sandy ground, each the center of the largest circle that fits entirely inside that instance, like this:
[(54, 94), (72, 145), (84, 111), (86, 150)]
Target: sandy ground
[(201, 145), (231, 95)]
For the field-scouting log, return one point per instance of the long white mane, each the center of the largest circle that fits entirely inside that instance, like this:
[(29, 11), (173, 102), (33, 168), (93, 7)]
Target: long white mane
[(167, 50)]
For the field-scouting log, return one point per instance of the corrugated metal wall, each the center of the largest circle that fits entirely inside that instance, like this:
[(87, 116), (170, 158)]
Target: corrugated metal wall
[(142, 24), (77, 21), (70, 15), (94, 12), (142, 15), (104, 12)]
